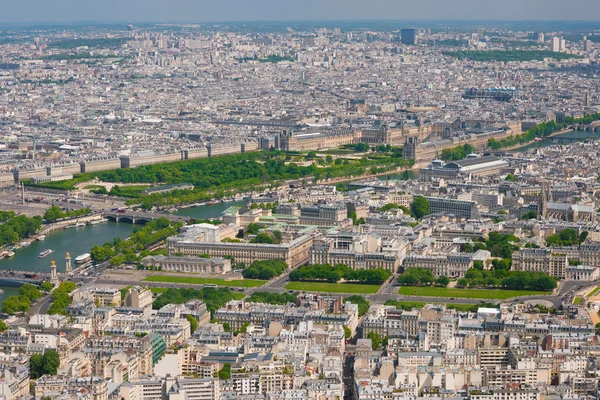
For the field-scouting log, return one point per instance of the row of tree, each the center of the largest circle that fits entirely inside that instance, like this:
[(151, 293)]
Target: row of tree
[(28, 293), (212, 297), (61, 298), (328, 273), (15, 228), (541, 130), (421, 276), (457, 153), (121, 251), (506, 279), (507, 55), (265, 269), (272, 298), (54, 213)]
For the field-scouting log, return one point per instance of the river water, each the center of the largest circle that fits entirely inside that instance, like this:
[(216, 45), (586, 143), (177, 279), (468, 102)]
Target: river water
[(208, 211), (578, 135), (77, 241)]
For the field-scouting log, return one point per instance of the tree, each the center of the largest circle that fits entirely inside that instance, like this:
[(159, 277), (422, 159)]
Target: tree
[(193, 323), (46, 364), (510, 177), (30, 291), (347, 332), (263, 237), (16, 304), (226, 327), (420, 207), (225, 372), (3, 326), (361, 302), (529, 215), (46, 286), (468, 247), (253, 228), (375, 340), (442, 281)]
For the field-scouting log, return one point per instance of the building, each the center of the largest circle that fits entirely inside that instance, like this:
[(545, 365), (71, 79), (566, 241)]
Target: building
[(408, 36), (471, 166), (201, 239), (138, 297), (541, 260), (582, 273), (460, 208), (214, 265), (556, 44)]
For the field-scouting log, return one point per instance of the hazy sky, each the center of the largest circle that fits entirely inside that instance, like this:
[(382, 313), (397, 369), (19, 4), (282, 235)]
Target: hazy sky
[(287, 10)]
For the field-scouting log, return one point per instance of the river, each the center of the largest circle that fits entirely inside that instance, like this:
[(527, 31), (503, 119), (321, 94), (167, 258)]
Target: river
[(579, 135), (208, 211), (75, 241)]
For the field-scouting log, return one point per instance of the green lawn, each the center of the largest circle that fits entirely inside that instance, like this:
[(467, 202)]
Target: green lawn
[(332, 287), (238, 296), (465, 293), (593, 292), (247, 283), (577, 300)]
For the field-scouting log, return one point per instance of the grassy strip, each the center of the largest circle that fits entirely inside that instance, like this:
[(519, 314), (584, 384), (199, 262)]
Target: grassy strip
[(466, 293), (593, 292), (332, 287), (247, 283), (577, 300)]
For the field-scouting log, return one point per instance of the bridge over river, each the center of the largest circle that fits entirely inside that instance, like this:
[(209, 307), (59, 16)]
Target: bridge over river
[(135, 217)]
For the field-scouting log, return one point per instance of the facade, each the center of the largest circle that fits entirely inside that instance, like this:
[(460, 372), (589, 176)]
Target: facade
[(214, 265), (460, 208), (541, 260), (197, 240), (471, 166), (453, 265), (138, 297)]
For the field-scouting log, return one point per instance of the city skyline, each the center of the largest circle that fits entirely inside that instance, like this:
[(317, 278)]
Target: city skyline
[(310, 10)]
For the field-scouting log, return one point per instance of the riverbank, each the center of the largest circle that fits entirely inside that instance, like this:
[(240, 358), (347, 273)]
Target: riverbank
[(520, 145)]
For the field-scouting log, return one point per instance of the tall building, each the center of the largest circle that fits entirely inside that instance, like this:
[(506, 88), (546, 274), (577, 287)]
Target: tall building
[(408, 36), (587, 46), (556, 44), (541, 37)]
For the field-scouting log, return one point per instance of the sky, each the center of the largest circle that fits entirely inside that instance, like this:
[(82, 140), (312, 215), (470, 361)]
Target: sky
[(294, 10)]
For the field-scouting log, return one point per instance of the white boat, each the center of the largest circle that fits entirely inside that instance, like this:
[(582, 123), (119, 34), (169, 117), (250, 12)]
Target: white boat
[(25, 244), (41, 237), (45, 253), (82, 258), (98, 221)]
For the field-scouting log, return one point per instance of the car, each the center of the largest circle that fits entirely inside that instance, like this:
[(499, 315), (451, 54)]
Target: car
[(451, 298)]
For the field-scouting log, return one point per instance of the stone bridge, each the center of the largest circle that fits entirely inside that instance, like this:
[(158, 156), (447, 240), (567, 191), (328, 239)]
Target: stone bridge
[(141, 217)]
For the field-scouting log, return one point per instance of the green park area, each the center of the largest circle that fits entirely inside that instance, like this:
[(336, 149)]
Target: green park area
[(577, 300), (594, 292), (247, 283), (465, 293), (332, 287)]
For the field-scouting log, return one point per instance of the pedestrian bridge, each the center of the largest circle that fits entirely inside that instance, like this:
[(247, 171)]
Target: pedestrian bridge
[(141, 217)]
